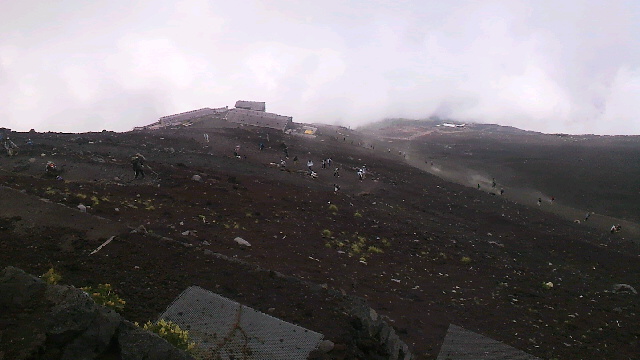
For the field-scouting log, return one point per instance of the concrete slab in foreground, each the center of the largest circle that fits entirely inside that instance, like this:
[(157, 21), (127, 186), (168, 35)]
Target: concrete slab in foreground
[(462, 344)]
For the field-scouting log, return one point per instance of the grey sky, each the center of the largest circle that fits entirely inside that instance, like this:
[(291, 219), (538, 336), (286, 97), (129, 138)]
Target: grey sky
[(552, 66)]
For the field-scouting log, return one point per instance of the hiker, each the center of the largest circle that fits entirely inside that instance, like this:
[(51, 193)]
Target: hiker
[(236, 152), (478, 186), (206, 137), (10, 146), (501, 191), (615, 228), (539, 201), (360, 174), (336, 187), (313, 174), (493, 183), (309, 164), (553, 199), (336, 172), (329, 162), (295, 159), (261, 146), (324, 164), (283, 163), (50, 168), (586, 217), (137, 162)]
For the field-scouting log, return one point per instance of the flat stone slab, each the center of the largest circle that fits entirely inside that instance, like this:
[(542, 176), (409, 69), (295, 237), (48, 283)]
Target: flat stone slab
[(225, 329), (462, 344)]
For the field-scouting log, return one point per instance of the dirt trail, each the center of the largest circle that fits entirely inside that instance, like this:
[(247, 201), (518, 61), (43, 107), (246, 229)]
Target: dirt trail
[(525, 196)]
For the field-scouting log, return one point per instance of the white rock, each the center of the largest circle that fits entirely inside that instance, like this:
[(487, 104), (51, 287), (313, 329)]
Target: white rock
[(241, 241), (197, 178), (82, 208)]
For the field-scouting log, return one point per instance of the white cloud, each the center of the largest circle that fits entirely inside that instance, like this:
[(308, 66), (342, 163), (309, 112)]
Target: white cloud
[(568, 66)]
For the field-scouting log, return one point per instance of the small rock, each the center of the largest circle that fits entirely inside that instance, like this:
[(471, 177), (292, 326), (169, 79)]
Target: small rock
[(241, 241), (32, 160), (116, 178), (325, 346), (206, 243), (197, 178), (82, 208), (624, 288), (139, 229)]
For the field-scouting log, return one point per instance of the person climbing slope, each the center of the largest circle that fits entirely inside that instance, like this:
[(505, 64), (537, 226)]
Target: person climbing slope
[(137, 162)]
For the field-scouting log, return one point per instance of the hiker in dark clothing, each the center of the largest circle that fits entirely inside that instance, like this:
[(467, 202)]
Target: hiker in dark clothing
[(261, 146), (51, 168), (493, 183), (586, 217), (501, 191), (336, 172), (137, 162)]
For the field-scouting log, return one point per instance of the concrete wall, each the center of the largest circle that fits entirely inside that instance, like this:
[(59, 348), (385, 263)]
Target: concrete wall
[(259, 118), (251, 105)]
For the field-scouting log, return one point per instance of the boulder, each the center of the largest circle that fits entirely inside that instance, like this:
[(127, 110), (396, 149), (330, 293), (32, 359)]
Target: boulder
[(197, 178), (62, 322), (624, 289)]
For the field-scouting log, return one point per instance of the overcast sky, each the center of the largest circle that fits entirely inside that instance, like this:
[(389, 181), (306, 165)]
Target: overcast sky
[(552, 66)]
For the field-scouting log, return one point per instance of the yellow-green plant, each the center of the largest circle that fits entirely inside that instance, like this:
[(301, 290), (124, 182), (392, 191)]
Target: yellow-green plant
[(333, 208), (375, 249), (465, 260), (326, 233), (172, 333), (51, 277), (357, 214), (104, 295)]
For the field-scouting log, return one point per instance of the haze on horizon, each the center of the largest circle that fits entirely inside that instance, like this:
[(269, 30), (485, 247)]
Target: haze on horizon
[(571, 66)]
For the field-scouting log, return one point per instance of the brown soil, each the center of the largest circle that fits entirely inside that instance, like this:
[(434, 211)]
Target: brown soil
[(422, 251)]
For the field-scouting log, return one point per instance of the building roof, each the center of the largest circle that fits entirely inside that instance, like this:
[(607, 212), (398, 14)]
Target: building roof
[(251, 105), (259, 118)]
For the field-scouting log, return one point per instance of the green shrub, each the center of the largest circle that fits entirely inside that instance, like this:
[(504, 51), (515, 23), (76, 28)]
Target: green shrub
[(51, 277), (333, 208), (172, 333), (375, 249), (357, 214), (326, 233), (465, 260), (104, 295)]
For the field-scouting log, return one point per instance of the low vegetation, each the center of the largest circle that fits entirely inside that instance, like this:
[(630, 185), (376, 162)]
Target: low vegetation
[(104, 295)]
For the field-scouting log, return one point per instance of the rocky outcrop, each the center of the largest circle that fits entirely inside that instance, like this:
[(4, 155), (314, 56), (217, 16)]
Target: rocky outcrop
[(41, 321)]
